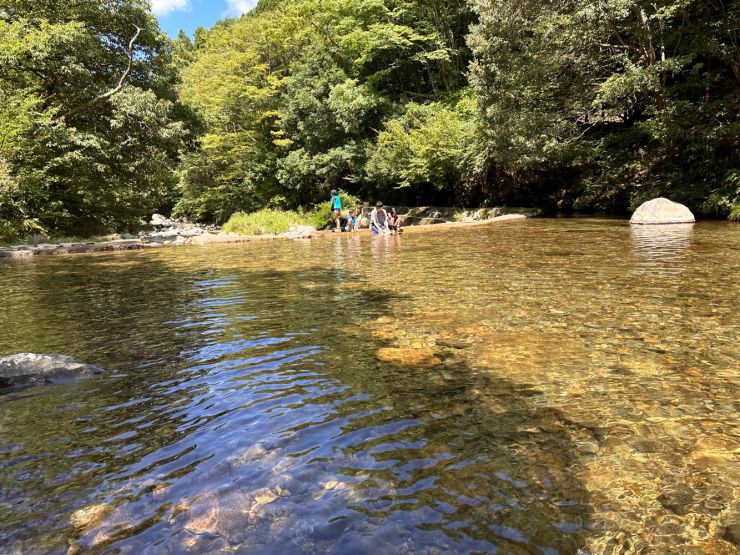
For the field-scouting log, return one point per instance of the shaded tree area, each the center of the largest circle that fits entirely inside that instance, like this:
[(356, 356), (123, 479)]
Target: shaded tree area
[(606, 104), (90, 126), (563, 104)]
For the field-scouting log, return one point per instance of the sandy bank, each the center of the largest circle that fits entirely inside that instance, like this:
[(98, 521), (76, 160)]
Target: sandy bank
[(215, 239), (52, 249)]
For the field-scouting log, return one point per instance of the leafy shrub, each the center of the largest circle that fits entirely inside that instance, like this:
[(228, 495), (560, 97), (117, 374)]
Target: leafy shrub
[(8, 233), (271, 220), (265, 221), (725, 200), (733, 180), (431, 143), (734, 213)]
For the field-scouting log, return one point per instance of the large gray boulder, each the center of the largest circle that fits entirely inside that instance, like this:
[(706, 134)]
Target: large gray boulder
[(29, 368), (159, 221), (662, 211)]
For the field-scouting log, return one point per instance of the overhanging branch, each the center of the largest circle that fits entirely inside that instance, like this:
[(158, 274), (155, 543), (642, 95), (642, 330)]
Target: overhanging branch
[(121, 82)]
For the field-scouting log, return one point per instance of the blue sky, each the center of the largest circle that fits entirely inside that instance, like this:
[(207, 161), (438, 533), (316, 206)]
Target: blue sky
[(189, 14)]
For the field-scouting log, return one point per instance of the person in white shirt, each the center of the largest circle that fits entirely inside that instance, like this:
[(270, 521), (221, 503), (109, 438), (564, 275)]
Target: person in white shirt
[(379, 220)]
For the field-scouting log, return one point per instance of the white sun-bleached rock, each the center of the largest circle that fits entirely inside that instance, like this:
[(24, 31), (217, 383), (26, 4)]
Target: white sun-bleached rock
[(662, 211)]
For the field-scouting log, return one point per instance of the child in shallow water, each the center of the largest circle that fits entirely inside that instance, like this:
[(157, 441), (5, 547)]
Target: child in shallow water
[(351, 223), (394, 223)]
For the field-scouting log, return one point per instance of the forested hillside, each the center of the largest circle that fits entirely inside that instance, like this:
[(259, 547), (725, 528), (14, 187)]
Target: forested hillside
[(87, 142), (562, 104)]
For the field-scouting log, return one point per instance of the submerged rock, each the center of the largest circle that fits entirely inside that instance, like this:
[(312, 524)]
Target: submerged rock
[(219, 515), (732, 528), (662, 211), (88, 517), (30, 368), (678, 499), (409, 357), (588, 447), (452, 344)]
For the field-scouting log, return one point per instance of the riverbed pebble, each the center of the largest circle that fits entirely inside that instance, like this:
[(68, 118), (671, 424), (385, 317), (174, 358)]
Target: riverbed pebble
[(588, 448)]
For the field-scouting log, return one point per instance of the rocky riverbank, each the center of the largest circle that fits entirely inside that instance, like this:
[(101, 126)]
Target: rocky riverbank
[(165, 233)]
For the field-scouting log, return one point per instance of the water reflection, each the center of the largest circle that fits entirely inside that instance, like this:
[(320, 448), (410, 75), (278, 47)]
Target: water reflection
[(662, 242)]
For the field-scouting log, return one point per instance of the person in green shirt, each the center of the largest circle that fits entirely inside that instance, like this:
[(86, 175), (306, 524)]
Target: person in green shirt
[(336, 209)]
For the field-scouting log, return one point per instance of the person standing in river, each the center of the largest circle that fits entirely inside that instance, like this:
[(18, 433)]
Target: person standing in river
[(336, 210)]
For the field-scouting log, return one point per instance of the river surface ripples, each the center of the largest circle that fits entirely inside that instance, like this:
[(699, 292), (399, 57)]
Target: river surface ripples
[(548, 386)]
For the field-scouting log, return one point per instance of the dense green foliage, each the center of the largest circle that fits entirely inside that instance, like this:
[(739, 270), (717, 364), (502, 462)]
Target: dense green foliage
[(562, 104), (608, 104), (293, 96), (70, 162)]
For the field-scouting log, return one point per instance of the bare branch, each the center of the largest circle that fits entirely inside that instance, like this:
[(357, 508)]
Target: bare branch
[(121, 82)]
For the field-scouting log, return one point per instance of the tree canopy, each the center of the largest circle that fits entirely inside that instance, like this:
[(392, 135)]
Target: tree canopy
[(563, 104), (91, 129)]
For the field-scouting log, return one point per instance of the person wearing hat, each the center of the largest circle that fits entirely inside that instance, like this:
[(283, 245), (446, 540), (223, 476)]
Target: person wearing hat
[(379, 220), (336, 209)]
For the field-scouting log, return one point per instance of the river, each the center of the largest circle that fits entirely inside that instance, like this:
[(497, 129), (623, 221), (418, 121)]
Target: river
[(548, 386)]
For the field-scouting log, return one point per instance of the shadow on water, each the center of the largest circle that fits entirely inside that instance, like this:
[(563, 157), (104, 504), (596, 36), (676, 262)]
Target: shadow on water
[(475, 464), (250, 414)]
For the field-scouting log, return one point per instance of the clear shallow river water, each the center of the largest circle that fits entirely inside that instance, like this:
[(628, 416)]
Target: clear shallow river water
[(552, 386)]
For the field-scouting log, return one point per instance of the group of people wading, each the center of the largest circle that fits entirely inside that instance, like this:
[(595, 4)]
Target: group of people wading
[(382, 222)]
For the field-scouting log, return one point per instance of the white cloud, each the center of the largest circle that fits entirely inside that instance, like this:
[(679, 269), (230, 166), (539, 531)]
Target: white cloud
[(163, 7), (238, 7)]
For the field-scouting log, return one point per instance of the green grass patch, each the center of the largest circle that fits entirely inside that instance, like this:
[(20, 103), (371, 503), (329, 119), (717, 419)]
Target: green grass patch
[(270, 221), (266, 222), (734, 212)]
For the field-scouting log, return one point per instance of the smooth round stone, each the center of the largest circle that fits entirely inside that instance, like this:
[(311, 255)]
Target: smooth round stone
[(732, 529), (408, 357), (30, 368), (678, 500), (330, 530), (645, 445), (588, 448), (662, 211)]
